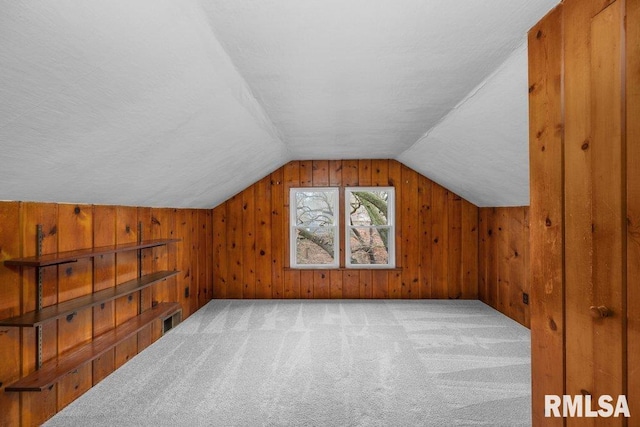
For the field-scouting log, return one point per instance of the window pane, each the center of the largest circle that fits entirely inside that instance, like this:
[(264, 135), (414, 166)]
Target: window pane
[(369, 208), (369, 245), (315, 245), (315, 208)]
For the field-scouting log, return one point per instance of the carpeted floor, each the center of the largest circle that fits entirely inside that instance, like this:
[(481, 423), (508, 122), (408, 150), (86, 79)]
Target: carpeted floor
[(322, 363)]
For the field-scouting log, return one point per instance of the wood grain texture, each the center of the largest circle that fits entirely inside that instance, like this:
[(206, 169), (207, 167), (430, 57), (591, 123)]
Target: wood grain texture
[(423, 258), (504, 239), (608, 203), (35, 411), (10, 277), (278, 214), (68, 228), (469, 238), (578, 197), (633, 202), (234, 247), (584, 72), (546, 141), (220, 263), (409, 220), (201, 253), (248, 246)]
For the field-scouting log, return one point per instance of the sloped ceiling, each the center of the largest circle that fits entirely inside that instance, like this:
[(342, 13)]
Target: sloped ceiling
[(183, 103)]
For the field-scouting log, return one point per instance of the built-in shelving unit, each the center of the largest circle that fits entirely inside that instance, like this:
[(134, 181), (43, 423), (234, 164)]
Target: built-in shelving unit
[(69, 308), (54, 369), (49, 372), (73, 256)]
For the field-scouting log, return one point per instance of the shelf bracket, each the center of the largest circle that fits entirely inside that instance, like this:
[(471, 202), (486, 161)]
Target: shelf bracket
[(39, 273), (140, 240)]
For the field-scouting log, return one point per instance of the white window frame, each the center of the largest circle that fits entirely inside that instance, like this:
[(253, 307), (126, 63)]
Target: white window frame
[(391, 210), (293, 228)]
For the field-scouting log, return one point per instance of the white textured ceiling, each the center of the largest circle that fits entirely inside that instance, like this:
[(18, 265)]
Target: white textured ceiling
[(185, 102)]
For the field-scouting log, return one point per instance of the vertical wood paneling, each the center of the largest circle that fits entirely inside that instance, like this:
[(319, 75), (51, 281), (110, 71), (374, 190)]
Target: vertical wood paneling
[(609, 195), (424, 236), (366, 291), (351, 284), (414, 224), (292, 284), (75, 222), (517, 240), (203, 296), (483, 253), (577, 68), (527, 265), (278, 214), (9, 307), (454, 250), (633, 203), (248, 243), (335, 173), (162, 225), (172, 253), (306, 284), (320, 174), (306, 173), (104, 269), (420, 256), (73, 385), (380, 172), (145, 231), (380, 284), (504, 241), (126, 266), (350, 173), (263, 234), (196, 298), (469, 224), (35, 409), (208, 255), (364, 173), (321, 284), (439, 232), (69, 227), (291, 177), (220, 252), (235, 266), (546, 214), (409, 205), (492, 258), (578, 186), (183, 232), (501, 240), (336, 284)]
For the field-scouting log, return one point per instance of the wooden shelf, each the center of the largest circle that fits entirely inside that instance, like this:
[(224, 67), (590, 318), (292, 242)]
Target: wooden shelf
[(57, 311), (73, 256), (55, 369)]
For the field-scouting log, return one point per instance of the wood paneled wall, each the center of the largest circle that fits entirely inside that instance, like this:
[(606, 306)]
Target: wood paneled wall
[(504, 261), (584, 67), (69, 227), (436, 238)]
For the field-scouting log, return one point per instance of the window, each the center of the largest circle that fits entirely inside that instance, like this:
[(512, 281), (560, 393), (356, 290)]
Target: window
[(314, 227), (370, 234), (368, 227)]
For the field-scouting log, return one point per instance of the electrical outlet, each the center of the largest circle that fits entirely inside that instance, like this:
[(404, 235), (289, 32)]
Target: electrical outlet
[(525, 298)]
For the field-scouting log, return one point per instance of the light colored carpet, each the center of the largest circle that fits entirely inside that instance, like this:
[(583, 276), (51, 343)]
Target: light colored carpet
[(322, 363)]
